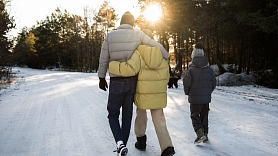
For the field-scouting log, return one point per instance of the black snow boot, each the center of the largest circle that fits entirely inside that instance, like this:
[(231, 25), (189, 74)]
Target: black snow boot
[(200, 136), (169, 151), (141, 143)]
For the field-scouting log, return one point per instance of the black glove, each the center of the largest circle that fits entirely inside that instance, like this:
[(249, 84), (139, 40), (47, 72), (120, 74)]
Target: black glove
[(102, 84)]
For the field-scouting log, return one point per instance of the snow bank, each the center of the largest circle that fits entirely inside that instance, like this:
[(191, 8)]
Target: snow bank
[(231, 79)]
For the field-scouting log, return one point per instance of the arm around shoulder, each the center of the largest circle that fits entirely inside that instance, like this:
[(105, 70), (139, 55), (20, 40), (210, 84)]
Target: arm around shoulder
[(164, 52), (129, 68), (150, 42)]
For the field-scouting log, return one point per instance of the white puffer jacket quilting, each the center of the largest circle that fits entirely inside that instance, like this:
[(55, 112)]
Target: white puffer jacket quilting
[(120, 44)]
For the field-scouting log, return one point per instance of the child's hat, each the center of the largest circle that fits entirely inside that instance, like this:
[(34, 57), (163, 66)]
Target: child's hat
[(198, 50)]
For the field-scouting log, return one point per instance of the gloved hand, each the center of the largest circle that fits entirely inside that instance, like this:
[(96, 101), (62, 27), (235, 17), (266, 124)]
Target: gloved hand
[(102, 84)]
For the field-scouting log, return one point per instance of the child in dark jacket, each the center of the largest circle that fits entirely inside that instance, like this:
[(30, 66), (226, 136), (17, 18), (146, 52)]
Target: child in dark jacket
[(199, 83)]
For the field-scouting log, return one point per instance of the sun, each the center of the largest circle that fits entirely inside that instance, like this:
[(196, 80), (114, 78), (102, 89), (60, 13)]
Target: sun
[(153, 12)]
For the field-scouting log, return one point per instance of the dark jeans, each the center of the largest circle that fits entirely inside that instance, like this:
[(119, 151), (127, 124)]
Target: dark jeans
[(199, 116), (121, 95)]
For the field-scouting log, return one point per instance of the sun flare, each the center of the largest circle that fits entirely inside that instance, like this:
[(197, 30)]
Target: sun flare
[(153, 12)]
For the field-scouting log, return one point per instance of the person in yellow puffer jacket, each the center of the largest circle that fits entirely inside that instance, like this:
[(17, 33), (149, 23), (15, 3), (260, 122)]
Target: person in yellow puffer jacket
[(153, 76)]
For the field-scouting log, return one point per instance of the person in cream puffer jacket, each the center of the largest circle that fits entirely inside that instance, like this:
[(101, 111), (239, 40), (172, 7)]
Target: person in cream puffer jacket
[(153, 76)]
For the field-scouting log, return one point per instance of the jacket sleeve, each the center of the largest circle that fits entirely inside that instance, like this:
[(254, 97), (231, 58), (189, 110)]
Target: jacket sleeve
[(150, 42), (129, 68), (103, 59), (187, 82)]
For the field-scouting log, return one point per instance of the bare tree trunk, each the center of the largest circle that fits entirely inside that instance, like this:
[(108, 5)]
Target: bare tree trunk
[(249, 61), (208, 49), (240, 57), (187, 52), (218, 59)]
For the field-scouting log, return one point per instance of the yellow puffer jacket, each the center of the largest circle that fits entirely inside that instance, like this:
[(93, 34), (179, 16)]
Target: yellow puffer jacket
[(153, 76)]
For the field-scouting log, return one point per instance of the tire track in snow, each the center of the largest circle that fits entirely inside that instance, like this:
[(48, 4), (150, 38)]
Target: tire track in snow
[(267, 99)]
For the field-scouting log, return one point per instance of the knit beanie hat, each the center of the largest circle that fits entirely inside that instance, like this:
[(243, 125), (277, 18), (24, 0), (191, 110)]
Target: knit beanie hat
[(127, 18), (148, 32), (198, 50)]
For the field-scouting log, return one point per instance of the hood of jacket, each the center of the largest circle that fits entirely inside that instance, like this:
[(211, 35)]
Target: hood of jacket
[(200, 62), (151, 55), (125, 26)]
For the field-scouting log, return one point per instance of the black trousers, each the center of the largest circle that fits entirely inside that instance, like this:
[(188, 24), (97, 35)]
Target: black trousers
[(199, 116)]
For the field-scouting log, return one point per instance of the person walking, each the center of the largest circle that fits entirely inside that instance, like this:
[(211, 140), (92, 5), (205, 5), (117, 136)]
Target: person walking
[(119, 45), (199, 82), (153, 77)]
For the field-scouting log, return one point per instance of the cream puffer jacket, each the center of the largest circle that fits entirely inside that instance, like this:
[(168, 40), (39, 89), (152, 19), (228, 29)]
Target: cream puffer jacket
[(153, 76), (120, 44)]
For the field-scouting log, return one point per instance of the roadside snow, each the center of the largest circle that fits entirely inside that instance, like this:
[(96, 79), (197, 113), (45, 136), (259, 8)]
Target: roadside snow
[(59, 113)]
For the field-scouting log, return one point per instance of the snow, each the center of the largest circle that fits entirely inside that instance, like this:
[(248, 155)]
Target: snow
[(60, 113)]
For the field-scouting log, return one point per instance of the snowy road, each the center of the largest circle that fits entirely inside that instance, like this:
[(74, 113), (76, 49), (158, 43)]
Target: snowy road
[(53, 113)]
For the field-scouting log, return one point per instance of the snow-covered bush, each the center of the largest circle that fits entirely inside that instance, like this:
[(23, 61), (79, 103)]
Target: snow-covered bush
[(231, 79)]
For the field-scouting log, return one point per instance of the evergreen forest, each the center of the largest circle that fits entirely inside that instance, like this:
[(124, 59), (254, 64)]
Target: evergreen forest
[(243, 33)]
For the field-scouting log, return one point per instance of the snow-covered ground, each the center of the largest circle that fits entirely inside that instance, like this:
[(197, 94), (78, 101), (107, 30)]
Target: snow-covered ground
[(54, 113)]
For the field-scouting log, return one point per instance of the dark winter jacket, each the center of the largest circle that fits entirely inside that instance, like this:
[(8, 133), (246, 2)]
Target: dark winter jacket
[(199, 81)]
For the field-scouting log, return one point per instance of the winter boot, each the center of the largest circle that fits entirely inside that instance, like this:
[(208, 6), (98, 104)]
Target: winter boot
[(207, 139), (169, 151), (141, 143), (200, 136)]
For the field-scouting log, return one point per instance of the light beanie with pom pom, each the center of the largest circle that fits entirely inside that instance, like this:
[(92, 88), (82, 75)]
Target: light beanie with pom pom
[(197, 52)]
